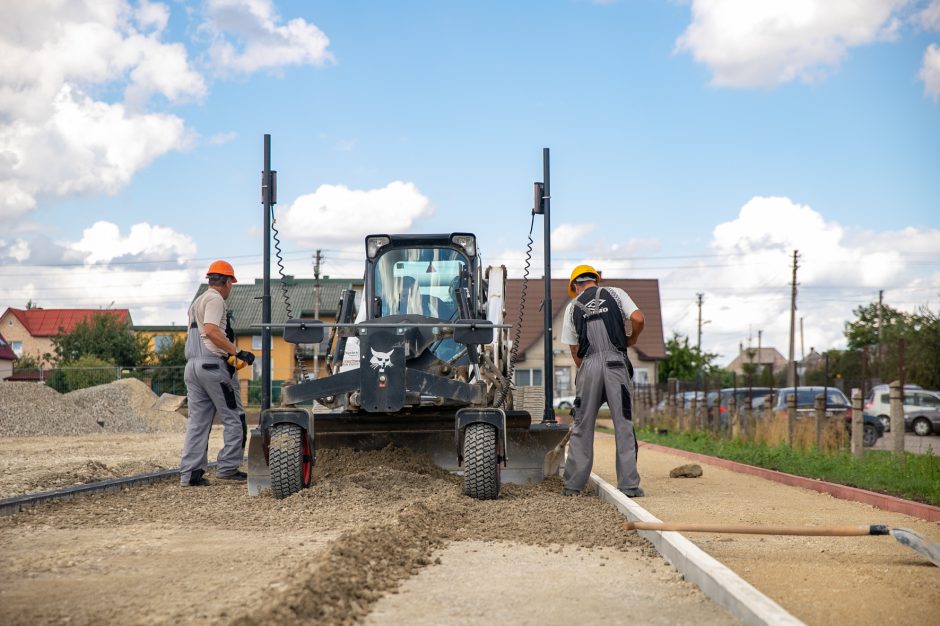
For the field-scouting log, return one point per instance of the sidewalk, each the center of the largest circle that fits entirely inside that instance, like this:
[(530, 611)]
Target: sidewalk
[(858, 580)]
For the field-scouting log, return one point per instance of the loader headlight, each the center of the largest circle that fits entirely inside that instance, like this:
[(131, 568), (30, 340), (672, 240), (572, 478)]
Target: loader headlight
[(375, 243), (467, 242)]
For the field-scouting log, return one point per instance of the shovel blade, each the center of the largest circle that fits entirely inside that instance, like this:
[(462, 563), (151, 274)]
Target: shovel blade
[(259, 474), (916, 542)]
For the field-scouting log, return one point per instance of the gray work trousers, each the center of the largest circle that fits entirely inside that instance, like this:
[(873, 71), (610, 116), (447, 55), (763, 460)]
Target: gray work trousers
[(210, 389), (602, 377)]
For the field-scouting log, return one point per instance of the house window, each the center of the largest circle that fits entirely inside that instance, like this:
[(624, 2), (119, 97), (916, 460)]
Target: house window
[(162, 342), (528, 377), (563, 381), (641, 376), (17, 347), (256, 342)]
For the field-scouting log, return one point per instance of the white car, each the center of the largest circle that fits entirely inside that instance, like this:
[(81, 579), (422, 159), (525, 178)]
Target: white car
[(564, 403), (916, 399)]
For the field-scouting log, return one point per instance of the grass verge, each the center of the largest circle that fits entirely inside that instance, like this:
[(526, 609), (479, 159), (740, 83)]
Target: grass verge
[(918, 478)]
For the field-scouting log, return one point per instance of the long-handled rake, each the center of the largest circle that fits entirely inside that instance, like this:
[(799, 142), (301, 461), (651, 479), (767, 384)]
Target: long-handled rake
[(904, 536)]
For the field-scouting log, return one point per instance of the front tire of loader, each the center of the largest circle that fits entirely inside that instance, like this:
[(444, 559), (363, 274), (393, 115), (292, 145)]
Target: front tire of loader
[(481, 462), (289, 460)]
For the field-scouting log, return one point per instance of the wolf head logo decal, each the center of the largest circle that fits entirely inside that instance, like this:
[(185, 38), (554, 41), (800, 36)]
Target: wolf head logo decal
[(380, 360)]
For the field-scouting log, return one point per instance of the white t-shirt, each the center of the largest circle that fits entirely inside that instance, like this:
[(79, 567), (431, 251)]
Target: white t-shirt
[(210, 307), (569, 334)]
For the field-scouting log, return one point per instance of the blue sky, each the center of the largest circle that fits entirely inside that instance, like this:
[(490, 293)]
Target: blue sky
[(698, 142)]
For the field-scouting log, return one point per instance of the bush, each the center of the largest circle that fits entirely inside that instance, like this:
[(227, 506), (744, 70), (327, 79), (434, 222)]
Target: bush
[(86, 371)]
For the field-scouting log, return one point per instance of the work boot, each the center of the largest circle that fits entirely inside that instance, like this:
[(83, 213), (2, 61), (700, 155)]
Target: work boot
[(196, 479), (633, 492), (570, 492), (236, 476)]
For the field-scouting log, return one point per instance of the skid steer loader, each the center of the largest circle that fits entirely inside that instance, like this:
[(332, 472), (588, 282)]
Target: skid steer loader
[(424, 364)]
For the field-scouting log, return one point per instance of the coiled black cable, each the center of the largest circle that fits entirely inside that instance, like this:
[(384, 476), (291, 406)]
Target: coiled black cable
[(517, 331), (275, 235)]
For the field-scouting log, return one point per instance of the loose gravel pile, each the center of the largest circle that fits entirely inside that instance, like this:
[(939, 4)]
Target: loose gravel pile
[(126, 405)]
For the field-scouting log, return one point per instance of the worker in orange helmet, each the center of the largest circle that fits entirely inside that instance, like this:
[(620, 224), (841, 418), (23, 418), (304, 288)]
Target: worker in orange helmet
[(212, 360), (599, 325)]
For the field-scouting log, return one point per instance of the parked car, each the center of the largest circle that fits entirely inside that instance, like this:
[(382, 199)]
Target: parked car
[(922, 420), (836, 402), (872, 429), (742, 396), (564, 403), (878, 402)]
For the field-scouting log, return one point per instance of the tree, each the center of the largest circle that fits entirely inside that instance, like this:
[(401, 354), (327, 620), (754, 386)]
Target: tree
[(103, 336), (685, 362), (86, 371), (920, 332), (168, 374)]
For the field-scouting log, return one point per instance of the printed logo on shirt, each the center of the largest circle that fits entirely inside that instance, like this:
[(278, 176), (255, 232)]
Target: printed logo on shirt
[(594, 306)]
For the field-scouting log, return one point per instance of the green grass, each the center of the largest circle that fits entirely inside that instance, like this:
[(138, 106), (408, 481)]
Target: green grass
[(918, 478)]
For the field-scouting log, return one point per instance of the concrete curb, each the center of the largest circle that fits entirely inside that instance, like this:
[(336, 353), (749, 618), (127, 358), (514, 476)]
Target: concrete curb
[(843, 492), (715, 579)]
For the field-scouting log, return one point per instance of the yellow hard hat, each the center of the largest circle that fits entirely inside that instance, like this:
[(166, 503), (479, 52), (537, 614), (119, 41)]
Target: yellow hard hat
[(223, 268), (581, 270)]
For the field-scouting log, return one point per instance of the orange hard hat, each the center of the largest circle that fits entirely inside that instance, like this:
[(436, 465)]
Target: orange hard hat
[(581, 270), (223, 268)]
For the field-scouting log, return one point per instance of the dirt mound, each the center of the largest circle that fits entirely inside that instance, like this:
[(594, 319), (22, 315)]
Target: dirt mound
[(33, 409)]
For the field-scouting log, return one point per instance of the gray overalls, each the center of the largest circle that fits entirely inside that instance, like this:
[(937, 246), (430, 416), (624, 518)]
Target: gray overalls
[(603, 376), (210, 388)]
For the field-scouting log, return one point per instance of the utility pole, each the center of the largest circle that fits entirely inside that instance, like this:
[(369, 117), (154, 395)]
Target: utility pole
[(760, 365), (699, 342), (791, 373), (316, 310), (881, 295), (802, 349)]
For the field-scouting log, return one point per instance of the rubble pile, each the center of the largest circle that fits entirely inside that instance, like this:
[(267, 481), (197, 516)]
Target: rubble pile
[(126, 405)]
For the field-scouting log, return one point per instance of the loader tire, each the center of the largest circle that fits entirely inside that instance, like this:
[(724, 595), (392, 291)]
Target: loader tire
[(289, 460), (481, 463)]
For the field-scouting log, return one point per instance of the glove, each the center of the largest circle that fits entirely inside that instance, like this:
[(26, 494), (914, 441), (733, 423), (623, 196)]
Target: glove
[(246, 356), (240, 359)]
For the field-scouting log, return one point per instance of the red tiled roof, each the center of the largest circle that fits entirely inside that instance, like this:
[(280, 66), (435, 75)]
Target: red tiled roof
[(644, 291), (6, 352), (48, 322)]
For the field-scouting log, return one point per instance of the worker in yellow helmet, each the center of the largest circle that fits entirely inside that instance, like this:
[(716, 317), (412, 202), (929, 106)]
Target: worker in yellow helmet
[(599, 325), (212, 359)]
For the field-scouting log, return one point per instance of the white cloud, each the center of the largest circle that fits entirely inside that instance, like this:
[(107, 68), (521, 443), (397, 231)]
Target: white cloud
[(567, 237), (929, 17), (103, 242), (336, 215), (930, 71), (763, 44), (219, 139), (57, 137), (747, 281), (145, 270), (247, 36)]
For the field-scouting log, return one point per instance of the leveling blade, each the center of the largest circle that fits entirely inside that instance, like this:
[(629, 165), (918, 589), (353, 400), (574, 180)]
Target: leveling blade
[(904, 536)]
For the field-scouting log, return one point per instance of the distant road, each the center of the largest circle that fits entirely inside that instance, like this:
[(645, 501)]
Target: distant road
[(912, 443)]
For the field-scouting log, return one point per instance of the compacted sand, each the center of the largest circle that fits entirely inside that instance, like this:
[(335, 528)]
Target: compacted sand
[(386, 538)]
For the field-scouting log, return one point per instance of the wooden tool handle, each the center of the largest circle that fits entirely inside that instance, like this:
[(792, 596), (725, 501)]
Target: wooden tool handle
[(837, 531)]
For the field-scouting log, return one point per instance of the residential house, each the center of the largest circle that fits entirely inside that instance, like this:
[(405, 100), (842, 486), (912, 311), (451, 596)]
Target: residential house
[(287, 360), (645, 355), (30, 331), (755, 360), (160, 337), (7, 357)]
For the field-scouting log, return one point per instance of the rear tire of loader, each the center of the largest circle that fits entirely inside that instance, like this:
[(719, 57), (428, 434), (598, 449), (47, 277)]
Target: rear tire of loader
[(288, 459), (481, 463)]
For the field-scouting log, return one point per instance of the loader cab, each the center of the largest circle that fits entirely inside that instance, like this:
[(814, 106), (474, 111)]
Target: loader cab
[(420, 275)]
